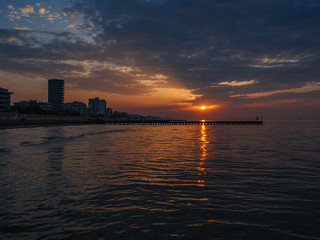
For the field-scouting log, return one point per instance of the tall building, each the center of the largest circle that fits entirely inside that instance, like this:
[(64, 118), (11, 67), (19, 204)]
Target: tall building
[(97, 106), (5, 100), (56, 94)]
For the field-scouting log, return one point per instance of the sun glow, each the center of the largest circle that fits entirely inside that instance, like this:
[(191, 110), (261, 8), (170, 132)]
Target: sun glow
[(203, 107)]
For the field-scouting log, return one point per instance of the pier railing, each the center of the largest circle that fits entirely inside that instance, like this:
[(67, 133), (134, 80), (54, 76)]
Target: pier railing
[(25, 123), (173, 122)]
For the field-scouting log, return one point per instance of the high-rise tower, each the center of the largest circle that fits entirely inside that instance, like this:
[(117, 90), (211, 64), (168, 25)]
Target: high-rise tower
[(5, 100), (56, 94)]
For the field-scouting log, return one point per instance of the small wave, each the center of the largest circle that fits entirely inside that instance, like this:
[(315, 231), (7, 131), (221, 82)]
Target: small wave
[(50, 140), (5, 149), (25, 143), (12, 229)]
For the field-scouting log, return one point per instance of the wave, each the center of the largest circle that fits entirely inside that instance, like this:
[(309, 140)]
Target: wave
[(50, 140), (56, 139)]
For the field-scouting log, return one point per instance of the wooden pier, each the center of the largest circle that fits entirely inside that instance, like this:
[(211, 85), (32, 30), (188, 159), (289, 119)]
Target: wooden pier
[(5, 124), (172, 122)]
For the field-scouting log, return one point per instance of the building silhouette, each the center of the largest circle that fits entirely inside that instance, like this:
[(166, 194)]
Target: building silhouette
[(75, 108), (32, 106), (97, 106), (56, 94), (5, 100)]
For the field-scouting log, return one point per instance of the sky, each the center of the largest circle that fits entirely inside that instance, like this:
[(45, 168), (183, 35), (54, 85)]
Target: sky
[(168, 58)]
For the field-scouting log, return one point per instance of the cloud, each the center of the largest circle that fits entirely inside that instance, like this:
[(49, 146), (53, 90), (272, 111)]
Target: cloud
[(20, 36), (22, 28), (42, 11), (73, 14), (309, 87), (159, 77), (271, 48), (72, 26), (59, 57), (238, 83), (206, 38), (53, 16), (27, 10)]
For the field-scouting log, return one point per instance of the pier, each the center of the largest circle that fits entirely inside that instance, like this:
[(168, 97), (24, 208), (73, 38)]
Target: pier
[(4, 124), (174, 122)]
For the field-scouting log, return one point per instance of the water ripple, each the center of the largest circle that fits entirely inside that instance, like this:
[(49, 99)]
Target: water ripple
[(159, 182)]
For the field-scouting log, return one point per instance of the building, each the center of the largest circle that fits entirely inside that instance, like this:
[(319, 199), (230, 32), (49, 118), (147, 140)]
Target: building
[(5, 100), (32, 106), (109, 113), (33, 103), (56, 94), (97, 106), (44, 106), (75, 107)]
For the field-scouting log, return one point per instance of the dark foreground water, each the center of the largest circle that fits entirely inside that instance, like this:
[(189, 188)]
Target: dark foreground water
[(161, 182)]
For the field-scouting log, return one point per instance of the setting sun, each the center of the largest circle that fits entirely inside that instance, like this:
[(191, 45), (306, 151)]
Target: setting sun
[(203, 107)]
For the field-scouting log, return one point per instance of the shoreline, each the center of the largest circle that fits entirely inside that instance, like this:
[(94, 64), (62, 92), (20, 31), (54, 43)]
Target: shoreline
[(5, 124)]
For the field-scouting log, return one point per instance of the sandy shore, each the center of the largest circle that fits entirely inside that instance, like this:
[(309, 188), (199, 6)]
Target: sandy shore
[(7, 124)]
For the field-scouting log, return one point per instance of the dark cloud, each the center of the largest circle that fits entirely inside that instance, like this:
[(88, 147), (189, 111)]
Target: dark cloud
[(69, 59), (198, 42), (222, 39)]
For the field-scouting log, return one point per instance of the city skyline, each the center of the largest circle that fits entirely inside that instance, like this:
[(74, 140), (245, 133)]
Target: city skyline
[(181, 59)]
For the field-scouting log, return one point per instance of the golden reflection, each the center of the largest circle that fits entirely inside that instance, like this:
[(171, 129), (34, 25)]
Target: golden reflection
[(203, 143), (204, 153)]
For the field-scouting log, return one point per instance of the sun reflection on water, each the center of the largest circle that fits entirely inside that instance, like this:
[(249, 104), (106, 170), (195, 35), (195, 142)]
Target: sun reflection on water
[(204, 154), (203, 144)]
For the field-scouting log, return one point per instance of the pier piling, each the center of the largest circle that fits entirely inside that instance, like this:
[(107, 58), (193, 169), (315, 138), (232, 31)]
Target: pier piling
[(171, 122)]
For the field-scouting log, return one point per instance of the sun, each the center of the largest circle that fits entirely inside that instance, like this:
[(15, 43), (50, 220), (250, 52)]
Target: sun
[(203, 107)]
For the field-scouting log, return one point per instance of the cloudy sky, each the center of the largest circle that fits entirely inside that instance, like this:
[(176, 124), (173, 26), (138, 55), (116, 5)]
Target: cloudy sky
[(168, 57)]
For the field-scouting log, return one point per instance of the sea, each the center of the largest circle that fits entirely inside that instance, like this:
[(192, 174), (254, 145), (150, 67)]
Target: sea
[(161, 181)]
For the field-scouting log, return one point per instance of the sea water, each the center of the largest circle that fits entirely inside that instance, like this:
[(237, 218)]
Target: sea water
[(161, 182)]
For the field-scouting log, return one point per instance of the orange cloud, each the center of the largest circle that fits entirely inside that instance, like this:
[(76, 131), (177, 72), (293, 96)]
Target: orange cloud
[(309, 87), (238, 83)]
